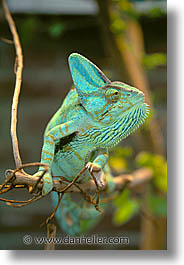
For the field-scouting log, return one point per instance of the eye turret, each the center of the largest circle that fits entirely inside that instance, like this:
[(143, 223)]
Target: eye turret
[(112, 94)]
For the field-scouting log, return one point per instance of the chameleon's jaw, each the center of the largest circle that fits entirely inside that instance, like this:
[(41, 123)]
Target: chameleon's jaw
[(124, 125), (139, 114)]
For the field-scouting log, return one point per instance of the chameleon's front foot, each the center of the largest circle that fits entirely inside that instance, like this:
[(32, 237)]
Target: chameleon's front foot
[(47, 182), (97, 172)]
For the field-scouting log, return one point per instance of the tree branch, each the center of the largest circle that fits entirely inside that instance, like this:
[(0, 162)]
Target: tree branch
[(18, 72), (138, 177)]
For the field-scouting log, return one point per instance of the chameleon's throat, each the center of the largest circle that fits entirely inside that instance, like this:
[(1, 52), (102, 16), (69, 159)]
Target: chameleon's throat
[(121, 128)]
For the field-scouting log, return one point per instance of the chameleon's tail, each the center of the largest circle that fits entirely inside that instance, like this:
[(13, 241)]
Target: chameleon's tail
[(75, 218)]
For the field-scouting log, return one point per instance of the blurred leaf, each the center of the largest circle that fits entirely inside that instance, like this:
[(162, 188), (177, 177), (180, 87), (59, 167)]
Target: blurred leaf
[(125, 5), (122, 11), (118, 163), (126, 9), (158, 205), (160, 179), (30, 24), (159, 166), (123, 151), (117, 25), (126, 207), (118, 158), (122, 198), (56, 29), (155, 12), (29, 27), (154, 60), (143, 159)]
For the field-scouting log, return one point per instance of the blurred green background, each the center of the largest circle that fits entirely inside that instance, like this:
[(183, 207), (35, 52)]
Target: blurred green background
[(127, 40)]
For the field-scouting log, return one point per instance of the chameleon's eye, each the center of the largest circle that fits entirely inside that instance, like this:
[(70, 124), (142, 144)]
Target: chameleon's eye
[(112, 94), (128, 94)]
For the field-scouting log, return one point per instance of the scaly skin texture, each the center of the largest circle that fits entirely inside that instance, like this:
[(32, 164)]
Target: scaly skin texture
[(95, 116)]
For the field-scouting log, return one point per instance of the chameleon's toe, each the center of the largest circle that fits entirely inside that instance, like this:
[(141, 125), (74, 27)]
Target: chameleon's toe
[(97, 172), (100, 179), (93, 167)]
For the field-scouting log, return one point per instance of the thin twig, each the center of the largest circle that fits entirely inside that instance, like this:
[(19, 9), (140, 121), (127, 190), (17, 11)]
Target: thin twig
[(33, 164), (88, 198), (17, 201), (74, 180), (6, 188), (19, 58), (6, 40), (60, 196), (109, 198), (97, 192), (25, 203), (51, 233), (10, 178)]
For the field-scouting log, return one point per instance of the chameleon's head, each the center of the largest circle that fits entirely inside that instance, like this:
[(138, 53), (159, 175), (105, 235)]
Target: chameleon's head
[(104, 100), (122, 99)]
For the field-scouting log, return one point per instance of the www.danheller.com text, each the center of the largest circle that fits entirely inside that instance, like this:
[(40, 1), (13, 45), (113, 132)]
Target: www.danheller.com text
[(93, 239)]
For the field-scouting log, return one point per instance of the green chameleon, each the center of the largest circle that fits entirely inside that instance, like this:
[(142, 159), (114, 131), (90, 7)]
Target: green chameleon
[(95, 116)]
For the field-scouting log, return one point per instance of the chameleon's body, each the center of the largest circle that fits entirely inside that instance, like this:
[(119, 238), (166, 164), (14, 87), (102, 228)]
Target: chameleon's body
[(94, 117)]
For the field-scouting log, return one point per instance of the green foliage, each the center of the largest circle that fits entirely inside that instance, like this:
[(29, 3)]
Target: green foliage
[(127, 8), (158, 204), (118, 159), (126, 208), (28, 28), (157, 198), (117, 25), (154, 60), (158, 165), (122, 10), (155, 12), (56, 29), (124, 151)]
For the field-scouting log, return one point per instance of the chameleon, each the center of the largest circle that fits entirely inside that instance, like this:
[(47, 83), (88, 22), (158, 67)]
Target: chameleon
[(95, 116)]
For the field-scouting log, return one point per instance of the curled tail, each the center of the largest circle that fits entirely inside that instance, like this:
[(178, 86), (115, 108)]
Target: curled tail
[(75, 218)]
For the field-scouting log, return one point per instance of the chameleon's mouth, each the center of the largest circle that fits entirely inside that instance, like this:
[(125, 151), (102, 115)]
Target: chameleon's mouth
[(106, 112)]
